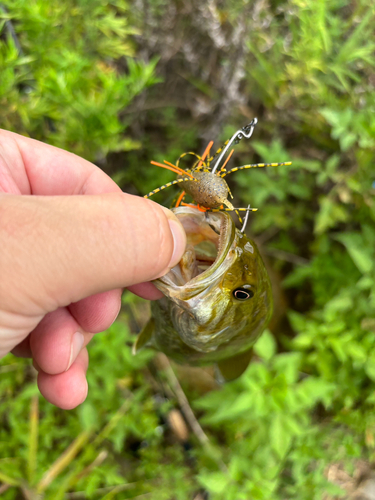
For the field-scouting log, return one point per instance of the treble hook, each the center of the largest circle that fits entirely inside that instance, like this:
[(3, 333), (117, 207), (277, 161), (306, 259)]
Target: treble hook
[(246, 219)]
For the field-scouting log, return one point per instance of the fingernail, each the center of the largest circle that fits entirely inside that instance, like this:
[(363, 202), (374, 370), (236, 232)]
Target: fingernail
[(75, 348), (179, 241)]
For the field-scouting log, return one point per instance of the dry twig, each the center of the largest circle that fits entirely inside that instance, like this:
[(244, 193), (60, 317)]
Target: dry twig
[(4, 488), (78, 495), (183, 401), (188, 412)]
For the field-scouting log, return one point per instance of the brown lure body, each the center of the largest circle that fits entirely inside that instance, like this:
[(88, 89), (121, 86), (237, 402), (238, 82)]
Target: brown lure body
[(209, 191)]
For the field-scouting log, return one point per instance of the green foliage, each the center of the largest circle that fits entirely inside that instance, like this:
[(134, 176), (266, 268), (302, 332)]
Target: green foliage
[(307, 400), (274, 429), (120, 412), (75, 74)]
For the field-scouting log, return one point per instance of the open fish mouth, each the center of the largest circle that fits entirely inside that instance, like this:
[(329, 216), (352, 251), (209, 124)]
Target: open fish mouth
[(194, 285), (210, 236)]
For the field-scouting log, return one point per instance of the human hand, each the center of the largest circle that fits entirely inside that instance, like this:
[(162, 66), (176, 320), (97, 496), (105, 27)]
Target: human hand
[(64, 259)]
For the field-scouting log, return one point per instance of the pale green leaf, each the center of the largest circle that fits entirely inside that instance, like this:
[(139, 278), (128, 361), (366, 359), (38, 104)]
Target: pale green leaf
[(265, 347), (280, 436), (361, 254)]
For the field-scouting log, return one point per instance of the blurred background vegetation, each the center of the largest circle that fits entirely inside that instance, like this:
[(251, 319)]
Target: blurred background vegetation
[(122, 83)]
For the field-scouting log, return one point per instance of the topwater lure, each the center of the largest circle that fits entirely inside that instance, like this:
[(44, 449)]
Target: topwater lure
[(206, 184)]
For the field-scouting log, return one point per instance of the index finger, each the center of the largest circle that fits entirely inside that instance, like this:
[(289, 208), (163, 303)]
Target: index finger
[(41, 169)]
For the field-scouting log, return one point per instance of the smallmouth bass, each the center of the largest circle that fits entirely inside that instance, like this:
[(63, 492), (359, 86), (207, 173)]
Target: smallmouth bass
[(218, 299)]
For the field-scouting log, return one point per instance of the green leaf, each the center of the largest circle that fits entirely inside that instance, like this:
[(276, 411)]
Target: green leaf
[(361, 254), (265, 347), (370, 367), (356, 351), (329, 215), (214, 482), (280, 436), (88, 416), (341, 302)]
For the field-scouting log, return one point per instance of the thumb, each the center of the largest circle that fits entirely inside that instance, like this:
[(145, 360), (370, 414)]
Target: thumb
[(60, 249)]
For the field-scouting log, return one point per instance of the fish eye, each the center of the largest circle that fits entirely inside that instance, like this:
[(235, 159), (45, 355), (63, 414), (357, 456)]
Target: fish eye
[(243, 294)]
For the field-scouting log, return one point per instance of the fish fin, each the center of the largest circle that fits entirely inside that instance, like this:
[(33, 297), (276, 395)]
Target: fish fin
[(231, 368), (144, 336)]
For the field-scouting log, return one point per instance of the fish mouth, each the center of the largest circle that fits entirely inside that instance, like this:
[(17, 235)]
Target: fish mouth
[(209, 237)]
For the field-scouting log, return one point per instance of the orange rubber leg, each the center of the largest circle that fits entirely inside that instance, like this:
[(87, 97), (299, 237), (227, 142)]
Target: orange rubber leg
[(199, 207), (180, 198), (202, 209)]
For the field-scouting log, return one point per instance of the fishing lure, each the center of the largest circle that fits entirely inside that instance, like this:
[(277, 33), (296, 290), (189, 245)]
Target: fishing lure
[(205, 184)]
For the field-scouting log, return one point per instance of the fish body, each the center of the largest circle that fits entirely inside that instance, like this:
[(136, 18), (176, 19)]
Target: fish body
[(217, 301)]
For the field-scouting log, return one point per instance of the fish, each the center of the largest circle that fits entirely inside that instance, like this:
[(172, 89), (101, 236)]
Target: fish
[(217, 300)]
